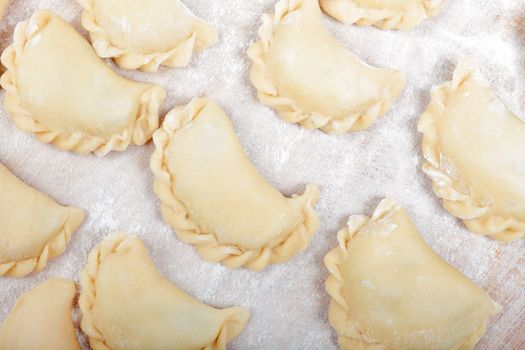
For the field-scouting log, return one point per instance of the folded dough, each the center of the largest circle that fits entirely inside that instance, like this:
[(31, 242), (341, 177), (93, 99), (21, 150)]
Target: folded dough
[(390, 291), (300, 70), (127, 304), (60, 90), (473, 147), (216, 200), (146, 34), (384, 14), (34, 228), (41, 319)]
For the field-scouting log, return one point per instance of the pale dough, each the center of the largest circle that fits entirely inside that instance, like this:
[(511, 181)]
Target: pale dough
[(41, 319), (216, 200), (60, 90), (474, 150), (300, 70), (143, 35), (390, 291), (128, 305), (34, 228), (3, 6), (384, 14)]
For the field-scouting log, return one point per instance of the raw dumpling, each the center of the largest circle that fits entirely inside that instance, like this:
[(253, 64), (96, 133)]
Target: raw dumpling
[(390, 291), (60, 90), (3, 6), (384, 14), (309, 78), (127, 304), (34, 228), (474, 149), (41, 319), (146, 34), (216, 200)]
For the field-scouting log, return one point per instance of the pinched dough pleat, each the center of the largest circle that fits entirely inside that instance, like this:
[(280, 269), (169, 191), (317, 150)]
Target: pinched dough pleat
[(33, 227), (474, 154), (384, 14), (128, 305), (143, 35), (390, 291), (216, 200), (41, 319), (300, 70), (60, 90)]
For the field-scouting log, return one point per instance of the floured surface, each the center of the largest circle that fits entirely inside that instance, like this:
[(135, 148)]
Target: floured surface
[(355, 170)]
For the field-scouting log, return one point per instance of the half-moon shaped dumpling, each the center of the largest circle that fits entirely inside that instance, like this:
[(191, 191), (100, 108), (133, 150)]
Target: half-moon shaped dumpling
[(300, 70), (146, 34), (60, 90), (216, 200), (127, 304), (41, 319), (33, 227), (384, 14), (474, 149), (391, 291)]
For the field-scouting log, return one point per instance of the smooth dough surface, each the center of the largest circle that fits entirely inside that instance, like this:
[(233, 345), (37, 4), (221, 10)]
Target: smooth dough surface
[(146, 34), (60, 90), (34, 228), (3, 6), (41, 319), (384, 14), (127, 304), (216, 200), (474, 154), (390, 291), (300, 70)]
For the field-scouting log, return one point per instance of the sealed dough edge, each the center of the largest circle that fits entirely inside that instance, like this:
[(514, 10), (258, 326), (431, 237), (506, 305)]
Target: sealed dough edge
[(347, 11), (477, 216), (337, 311), (286, 107), (175, 212), (139, 131), (53, 248), (42, 318), (120, 241), (178, 57), (349, 336)]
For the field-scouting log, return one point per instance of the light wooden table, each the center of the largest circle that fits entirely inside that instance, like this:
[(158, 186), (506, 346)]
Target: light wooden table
[(288, 302)]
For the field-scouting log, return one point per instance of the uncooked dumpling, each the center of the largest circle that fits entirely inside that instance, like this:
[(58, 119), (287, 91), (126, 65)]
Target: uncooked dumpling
[(60, 90), (216, 200), (300, 70), (474, 149), (146, 34), (34, 228), (384, 14), (128, 305), (3, 6), (390, 291), (41, 319)]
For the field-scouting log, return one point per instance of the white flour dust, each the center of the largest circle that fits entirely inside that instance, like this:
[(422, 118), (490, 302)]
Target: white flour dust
[(355, 170)]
